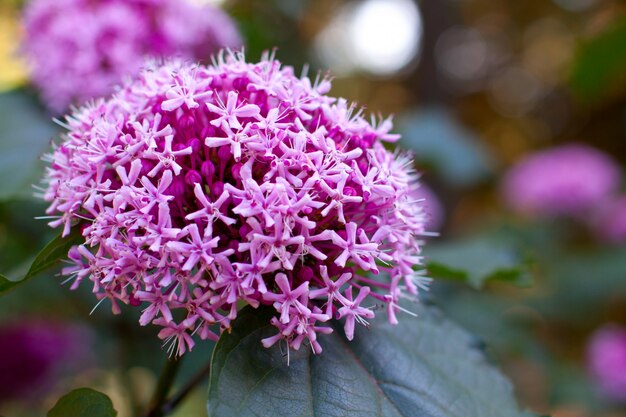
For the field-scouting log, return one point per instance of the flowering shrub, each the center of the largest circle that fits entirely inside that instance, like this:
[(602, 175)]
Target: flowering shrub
[(607, 361), (201, 188), (81, 49), (565, 180)]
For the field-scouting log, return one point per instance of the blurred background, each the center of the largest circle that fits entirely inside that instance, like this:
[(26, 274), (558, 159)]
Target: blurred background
[(475, 86)]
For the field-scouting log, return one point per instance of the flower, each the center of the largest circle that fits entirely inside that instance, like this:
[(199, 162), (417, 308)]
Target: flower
[(565, 180), (34, 352), (610, 220), (198, 189), (606, 358), (81, 49)]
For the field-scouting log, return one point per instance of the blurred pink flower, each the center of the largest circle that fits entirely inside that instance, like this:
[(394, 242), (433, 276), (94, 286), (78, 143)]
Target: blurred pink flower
[(203, 189), (606, 357), (32, 353), (610, 220), (81, 49), (565, 180)]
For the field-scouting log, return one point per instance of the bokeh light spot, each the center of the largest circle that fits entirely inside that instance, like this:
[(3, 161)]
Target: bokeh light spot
[(385, 34), (377, 36)]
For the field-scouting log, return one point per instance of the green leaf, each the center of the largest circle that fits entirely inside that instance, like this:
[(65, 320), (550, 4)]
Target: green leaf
[(601, 62), (455, 154), (49, 257), (25, 135), (83, 402), (590, 278), (476, 262), (424, 367)]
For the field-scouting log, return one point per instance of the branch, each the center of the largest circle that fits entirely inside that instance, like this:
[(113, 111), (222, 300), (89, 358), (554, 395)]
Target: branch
[(171, 404), (163, 387)]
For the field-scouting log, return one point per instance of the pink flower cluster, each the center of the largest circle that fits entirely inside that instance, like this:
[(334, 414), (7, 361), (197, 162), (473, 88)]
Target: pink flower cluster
[(607, 361), (566, 180), (202, 189), (81, 49)]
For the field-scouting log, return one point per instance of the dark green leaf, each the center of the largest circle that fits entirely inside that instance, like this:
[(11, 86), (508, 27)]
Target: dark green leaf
[(601, 62), (83, 402), (424, 367), (21, 237), (593, 279), (25, 135), (476, 262), (49, 257)]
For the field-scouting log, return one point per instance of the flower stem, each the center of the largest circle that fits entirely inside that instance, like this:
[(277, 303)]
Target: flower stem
[(163, 387), (177, 398)]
